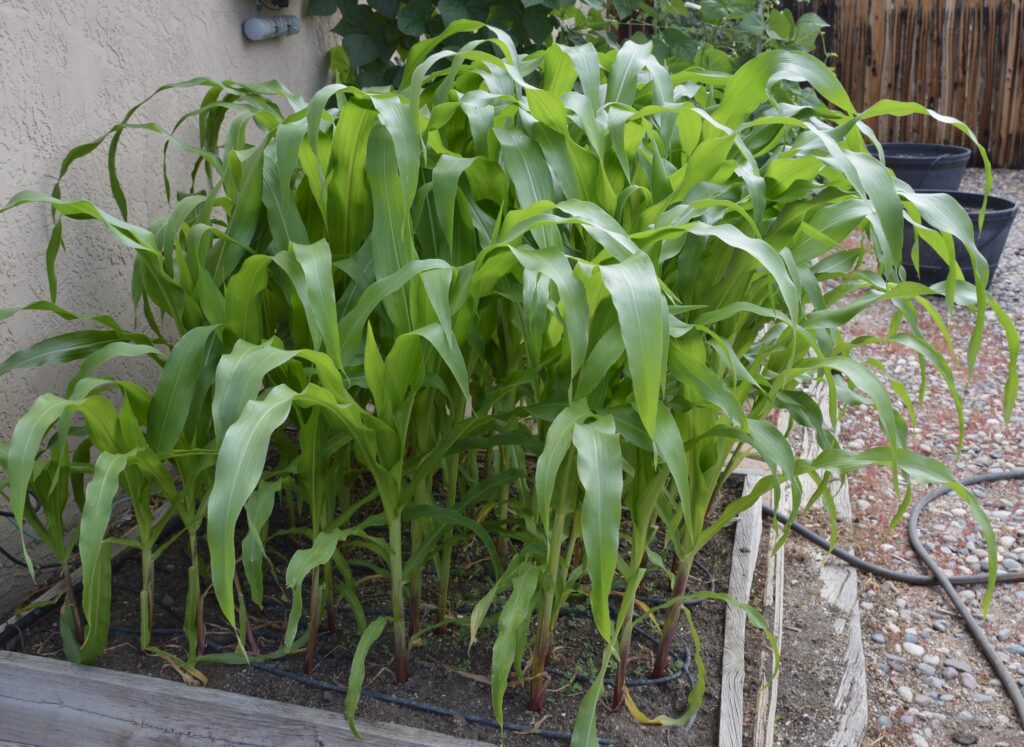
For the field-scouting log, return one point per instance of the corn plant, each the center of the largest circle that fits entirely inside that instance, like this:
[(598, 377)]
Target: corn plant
[(573, 287)]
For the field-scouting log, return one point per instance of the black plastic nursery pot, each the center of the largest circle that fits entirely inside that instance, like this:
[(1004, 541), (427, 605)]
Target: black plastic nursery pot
[(990, 240), (927, 165)]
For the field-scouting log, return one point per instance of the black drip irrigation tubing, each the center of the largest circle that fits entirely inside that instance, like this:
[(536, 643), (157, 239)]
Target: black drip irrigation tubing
[(938, 577), (683, 660)]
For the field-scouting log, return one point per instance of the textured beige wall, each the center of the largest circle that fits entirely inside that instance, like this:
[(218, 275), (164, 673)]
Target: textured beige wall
[(68, 71)]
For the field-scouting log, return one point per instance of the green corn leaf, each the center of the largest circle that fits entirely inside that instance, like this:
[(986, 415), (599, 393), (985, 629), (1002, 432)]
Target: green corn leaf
[(622, 80), (391, 237), (21, 456), (107, 353), (176, 388), (241, 304), (599, 463), (243, 453), (512, 627), (357, 673), (94, 552), (239, 379), (556, 446), (642, 312), (551, 263), (584, 732), (70, 346), (257, 511), (309, 268)]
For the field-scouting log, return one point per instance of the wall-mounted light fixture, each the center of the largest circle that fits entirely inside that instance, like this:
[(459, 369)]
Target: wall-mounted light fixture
[(259, 28)]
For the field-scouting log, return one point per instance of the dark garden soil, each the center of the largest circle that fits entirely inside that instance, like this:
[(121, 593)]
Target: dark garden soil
[(445, 670)]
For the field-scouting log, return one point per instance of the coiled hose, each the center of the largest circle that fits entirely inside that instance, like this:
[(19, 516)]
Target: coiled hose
[(938, 577)]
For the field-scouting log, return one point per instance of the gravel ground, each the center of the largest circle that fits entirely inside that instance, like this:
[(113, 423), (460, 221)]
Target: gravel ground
[(927, 682)]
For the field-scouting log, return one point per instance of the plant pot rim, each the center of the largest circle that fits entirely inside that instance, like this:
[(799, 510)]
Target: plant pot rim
[(905, 151), (972, 201)]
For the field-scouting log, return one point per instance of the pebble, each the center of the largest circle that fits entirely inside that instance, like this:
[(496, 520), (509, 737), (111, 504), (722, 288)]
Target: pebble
[(1004, 634), (960, 665), (964, 737), (982, 698), (913, 649), (968, 681), (919, 741), (905, 693), (1015, 648), (949, 673), (884, 721), (926, 669), (932, 660), (878, 638)]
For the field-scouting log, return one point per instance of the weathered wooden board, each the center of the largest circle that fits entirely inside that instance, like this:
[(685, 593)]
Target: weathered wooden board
[(775, 579), (744, 558), (837, 586), (51, 703)]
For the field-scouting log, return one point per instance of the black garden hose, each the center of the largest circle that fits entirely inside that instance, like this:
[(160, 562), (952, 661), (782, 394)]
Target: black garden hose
[(18, 561), (938, 577)]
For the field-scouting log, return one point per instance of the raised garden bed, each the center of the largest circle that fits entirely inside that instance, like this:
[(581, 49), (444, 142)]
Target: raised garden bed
[(478, 344), (448, 673)]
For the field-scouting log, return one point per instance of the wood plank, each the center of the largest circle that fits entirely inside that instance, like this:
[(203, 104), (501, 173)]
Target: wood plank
[(750, 466), (52, 703), (746, 544), (839, 587), (775, 578)]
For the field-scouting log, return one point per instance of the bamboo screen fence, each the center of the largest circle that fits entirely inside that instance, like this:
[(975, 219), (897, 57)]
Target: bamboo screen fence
[(964, 58)]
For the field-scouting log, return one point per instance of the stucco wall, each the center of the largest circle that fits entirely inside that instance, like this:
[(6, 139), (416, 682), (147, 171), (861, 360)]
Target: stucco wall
[(68, 71)]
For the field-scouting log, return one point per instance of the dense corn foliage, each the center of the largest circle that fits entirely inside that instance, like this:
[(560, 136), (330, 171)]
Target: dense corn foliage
[(546, 303)]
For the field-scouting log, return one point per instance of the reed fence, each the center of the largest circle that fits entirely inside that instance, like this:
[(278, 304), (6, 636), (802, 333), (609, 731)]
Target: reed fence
[(959, 57)]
